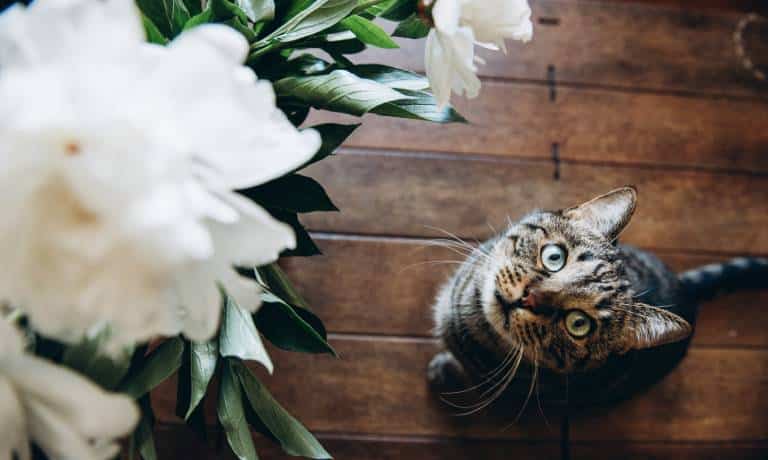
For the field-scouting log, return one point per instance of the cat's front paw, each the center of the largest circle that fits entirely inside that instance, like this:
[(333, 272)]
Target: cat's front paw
[(445, 373)]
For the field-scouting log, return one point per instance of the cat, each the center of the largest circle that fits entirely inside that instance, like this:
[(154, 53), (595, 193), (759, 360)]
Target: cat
[(555, 298)]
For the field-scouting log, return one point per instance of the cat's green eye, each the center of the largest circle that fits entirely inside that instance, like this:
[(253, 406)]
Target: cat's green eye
[(553, 257), (578, 323)]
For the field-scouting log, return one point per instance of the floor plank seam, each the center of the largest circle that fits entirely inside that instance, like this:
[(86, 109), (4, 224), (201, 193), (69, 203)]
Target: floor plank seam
[(430, 240), (509, 159)]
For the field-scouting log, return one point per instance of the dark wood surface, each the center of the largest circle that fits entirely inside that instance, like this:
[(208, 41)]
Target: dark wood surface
[(415, 195), (411, 271), (622, 127), (637, 94), (623, 45)]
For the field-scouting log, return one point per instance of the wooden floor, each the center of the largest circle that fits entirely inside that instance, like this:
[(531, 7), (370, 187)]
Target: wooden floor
[(607, 94)]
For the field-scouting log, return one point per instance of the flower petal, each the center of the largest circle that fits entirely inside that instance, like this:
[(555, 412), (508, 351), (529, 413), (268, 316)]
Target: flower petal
[(13, 436), (82, 405)]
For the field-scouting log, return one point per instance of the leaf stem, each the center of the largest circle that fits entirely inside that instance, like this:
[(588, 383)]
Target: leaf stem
[(272, 46)]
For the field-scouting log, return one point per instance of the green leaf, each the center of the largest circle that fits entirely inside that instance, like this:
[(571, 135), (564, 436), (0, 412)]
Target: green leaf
[(204, 17), (153, 33), (274, 279), (315, 18), (295, 7), (399, 10), (294, 438), (88, 359), (158, 366), (413, 27), (142, 438), (155, 11), (340, 47), (168, 15), (258, 10), (179, 15), (294, 193), (391, 77), (193, 6), (232, 416), (286, 327), (225, 10), (368, 32), (338, 91), (333, 135), (421, 106), (238, 336), (379, 8), (203, 359), (305, 64), (305, 247)]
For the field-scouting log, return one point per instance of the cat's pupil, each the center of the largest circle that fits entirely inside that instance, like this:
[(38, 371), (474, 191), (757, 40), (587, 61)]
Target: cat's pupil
[(554, 257), (579, 322)]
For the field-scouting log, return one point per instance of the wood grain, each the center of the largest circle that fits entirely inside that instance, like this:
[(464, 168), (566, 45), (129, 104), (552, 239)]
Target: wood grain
[(519, 120), (617, 44), (387, 285), (378, 387), (714, 395), (665, 451), (409, 195), (175, 442)]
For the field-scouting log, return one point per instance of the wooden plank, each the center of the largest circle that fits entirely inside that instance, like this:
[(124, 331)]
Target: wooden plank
[(506, 119), (408, 195), (617, 44), (392, 290), (519, 120), (174, 441), (378, 386), (714, 395), (732, 5), (658, 451)]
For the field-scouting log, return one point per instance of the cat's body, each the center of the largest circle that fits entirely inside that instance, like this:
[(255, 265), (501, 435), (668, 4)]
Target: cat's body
[(602, 320)]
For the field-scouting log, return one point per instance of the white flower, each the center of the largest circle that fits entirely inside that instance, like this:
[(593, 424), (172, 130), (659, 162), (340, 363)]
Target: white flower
[(63, 413), (118, 165), (458, 26)]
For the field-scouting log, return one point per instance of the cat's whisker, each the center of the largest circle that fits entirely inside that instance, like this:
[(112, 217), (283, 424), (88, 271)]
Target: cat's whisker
[(490, 375), (530, 390), (538, 401), (460, 245), (430, 262), (507, 380), (456, 238), (506, 369)]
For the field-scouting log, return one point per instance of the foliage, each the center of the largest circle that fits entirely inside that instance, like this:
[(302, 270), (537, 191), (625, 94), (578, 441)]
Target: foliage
[(287, 39)]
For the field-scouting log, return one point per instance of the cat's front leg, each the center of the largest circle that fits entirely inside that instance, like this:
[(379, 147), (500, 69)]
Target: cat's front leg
[(445, 373)]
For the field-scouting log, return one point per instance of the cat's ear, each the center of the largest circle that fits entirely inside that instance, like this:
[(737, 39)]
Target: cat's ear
[(646, 326), (607, 214)]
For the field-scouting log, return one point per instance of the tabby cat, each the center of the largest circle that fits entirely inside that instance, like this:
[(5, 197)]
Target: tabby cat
[(555, 298)]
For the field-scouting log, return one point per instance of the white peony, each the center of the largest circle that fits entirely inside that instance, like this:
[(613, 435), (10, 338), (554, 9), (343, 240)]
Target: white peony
[(450, 59), (118, 162), (63, 413)]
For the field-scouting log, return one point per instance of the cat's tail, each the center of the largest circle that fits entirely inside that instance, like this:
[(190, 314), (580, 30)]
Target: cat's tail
[(706, 282)]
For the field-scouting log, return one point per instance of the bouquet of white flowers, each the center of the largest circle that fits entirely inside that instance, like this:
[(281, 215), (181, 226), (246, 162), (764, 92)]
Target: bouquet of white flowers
[(148, 174)]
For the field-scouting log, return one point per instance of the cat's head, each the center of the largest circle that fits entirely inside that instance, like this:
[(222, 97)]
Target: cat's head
[(557, 287)]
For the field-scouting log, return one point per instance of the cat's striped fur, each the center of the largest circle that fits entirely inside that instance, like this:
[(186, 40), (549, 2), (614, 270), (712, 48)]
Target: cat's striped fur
[(634, 314)]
